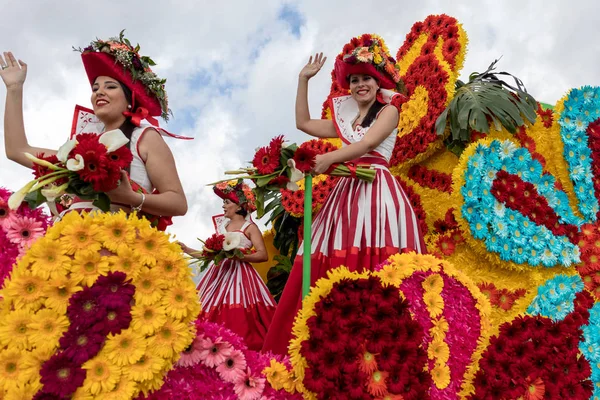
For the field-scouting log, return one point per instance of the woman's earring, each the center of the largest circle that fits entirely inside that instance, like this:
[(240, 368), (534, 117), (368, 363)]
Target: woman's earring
[(129, 106)]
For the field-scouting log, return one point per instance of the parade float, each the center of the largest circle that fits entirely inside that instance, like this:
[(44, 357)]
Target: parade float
[(503, 306)]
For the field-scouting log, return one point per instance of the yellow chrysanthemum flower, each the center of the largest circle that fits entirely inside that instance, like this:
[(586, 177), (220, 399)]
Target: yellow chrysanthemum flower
[(127, 260), (24, 289), (277, 374), (88, 266), (33, 361), (80, 233), (148, 318), (441, 376), (58, 291), (149, 365), (149, 286), (433, 283), (172, 267), (117, 232), (14, 330), (171, 339), (124, 389), (150, 245), (439, 329), (47, 326), (48, 258), (26, 391), (101, 376), (180, 301), (125, 348), (12, 369), (390, 275), (152, 384), (434, 303), (439, 351)]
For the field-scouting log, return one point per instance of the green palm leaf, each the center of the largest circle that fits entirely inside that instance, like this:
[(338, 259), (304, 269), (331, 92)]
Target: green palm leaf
[(484, 101)]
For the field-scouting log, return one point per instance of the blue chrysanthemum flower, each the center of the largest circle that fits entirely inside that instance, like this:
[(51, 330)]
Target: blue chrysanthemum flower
[(548, 258), (519, 255), (500, 210), (527, 227), (479, 229), (489, 174), (507, 149), (505, 250), (499, 228)]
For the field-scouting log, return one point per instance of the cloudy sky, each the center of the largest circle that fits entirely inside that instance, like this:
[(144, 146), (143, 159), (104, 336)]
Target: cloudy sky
[(232, 65)]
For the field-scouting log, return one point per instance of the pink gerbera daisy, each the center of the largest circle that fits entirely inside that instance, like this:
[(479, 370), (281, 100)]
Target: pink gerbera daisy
[(249, 386), (213, 353), (190, 356), (5, 213), (23, 230), (233, 367)]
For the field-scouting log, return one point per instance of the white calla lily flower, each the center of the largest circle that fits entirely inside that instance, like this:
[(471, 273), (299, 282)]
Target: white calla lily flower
[(65, 149), (15, 200), (75, 164), (296, 173), (53, 192), (113, 140), (232, 241)]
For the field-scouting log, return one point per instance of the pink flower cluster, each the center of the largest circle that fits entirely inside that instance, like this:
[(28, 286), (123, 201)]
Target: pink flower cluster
[(18, 230), (219, 365)]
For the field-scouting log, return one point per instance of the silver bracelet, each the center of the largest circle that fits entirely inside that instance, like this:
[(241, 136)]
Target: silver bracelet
[(139, 208)]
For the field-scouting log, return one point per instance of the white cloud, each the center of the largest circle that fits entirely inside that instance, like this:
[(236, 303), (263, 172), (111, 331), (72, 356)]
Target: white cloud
[(232, 66)]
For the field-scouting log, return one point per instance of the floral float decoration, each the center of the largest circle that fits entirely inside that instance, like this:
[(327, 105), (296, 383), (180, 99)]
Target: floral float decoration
[(100, 307), (397, 332)]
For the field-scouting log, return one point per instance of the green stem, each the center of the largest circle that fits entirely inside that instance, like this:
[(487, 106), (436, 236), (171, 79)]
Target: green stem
[(307, 235), (49, 178)]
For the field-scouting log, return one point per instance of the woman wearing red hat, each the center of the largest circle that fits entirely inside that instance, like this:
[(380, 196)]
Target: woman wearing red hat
[(361, 224), (232, 293), (124, 92)]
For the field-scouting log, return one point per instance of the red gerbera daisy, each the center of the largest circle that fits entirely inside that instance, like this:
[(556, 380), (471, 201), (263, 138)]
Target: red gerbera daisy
[(446, 245), (279, 181), (121, 157), (94, 158), (276, 144), (110, 180), (305, 159), (265, 161)]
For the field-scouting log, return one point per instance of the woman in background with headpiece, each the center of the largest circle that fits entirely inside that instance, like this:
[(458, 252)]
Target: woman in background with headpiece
[(232, 293), (361, 224), (124, 92)]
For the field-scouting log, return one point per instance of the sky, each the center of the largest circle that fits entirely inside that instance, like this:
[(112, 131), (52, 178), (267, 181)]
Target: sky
[(232, 66)]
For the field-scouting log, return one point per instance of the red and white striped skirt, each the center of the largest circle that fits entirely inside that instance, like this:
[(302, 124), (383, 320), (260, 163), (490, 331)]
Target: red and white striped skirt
[(233, 294)]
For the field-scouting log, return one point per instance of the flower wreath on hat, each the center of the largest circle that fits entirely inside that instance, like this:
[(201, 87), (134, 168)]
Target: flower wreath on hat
[(117, 58), (237, 192), (368, 54)]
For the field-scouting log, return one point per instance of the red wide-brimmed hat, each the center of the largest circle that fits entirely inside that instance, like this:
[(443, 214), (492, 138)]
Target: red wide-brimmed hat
[(367, 54), (117, 58), (237, 192), (103, 64)]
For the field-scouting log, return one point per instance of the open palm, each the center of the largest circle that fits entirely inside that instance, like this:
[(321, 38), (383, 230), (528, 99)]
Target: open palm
[(13, 72), (313, 66)]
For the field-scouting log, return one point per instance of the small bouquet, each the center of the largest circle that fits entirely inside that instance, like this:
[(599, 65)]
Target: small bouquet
[(219, 247), (88, 166), (277, 167)]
